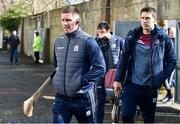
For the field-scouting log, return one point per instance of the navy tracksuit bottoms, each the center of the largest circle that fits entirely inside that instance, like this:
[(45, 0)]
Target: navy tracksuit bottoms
[(134, 95)]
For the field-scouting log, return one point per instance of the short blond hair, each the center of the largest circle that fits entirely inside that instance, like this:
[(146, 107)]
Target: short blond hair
[(73, 10)]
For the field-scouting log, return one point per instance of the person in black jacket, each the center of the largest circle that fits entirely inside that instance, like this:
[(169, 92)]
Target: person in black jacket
[(14, 43), (5, 42), (148, 58), (111, 47), (79, 63)]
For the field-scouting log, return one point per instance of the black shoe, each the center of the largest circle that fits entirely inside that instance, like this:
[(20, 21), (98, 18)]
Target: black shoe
[(17, 64)]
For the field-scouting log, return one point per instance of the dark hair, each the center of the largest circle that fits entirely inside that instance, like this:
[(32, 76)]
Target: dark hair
[(70, 9), (103, 25), (149, 9), (37, 33), (168, 30)]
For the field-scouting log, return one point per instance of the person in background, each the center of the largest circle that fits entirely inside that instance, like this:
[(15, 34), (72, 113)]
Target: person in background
[(5, 42), (171, 34), (169, 83), (148, 59), (37, 46), (14, 43), (78, 62), (111, 47)]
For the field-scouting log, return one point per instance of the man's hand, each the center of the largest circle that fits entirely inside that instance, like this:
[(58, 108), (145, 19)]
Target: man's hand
[(108, 35), (117, 86)]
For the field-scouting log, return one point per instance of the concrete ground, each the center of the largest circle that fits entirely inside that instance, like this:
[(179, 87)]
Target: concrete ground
[(18, 83)]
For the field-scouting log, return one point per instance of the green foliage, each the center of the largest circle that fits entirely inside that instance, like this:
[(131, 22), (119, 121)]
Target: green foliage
[(10, 23), (11, 19)]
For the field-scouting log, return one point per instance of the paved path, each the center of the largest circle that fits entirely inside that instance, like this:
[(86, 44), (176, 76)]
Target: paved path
[(18, 83)]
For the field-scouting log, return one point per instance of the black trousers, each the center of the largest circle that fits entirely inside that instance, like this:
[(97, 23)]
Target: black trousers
[(36, 54)]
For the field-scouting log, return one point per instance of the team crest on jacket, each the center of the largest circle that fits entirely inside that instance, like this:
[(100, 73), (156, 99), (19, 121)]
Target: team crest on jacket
[(76, 48)]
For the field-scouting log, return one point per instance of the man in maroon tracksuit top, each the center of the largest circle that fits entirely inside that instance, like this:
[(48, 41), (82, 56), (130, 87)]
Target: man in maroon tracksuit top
[(148, 58)]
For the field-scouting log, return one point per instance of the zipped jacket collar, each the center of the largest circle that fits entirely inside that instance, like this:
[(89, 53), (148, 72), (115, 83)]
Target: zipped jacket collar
[(157, 30), (74, 33)]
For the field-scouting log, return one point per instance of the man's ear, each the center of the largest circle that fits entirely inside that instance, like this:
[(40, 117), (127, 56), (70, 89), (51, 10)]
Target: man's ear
[(77, 17)]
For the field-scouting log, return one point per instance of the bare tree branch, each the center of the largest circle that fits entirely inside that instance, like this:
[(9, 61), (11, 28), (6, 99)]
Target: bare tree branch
[(3, 5)]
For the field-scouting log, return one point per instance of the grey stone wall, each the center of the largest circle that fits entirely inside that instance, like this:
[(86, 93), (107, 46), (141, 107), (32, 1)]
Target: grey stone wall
[(91, 14)]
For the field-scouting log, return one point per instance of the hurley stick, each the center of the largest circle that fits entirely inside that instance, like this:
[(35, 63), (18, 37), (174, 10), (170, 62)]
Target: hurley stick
[(29, 104), (116, 107)]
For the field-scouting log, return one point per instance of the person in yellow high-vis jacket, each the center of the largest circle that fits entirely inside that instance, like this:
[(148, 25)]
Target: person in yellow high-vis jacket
[(37, 46)]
